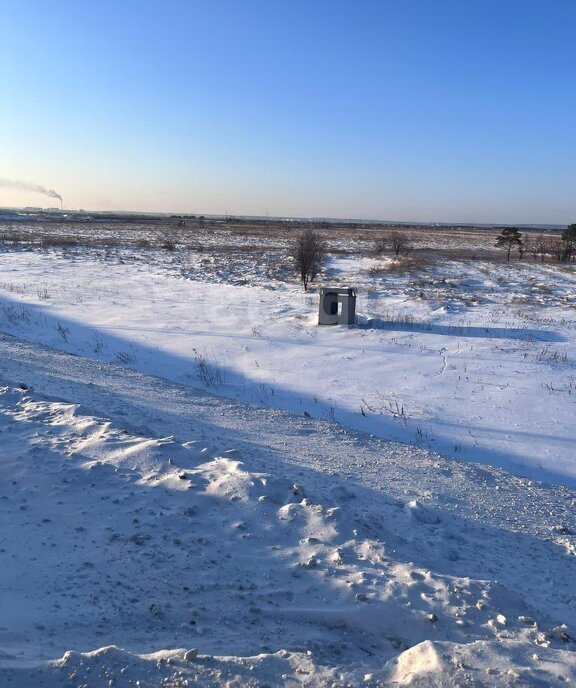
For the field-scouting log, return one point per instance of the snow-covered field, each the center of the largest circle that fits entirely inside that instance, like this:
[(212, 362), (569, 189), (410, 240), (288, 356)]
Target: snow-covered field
[(475, 360), (144, 505)]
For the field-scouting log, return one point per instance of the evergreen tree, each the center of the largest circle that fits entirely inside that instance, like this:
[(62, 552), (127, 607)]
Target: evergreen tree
[(569, 239), (508, 237)]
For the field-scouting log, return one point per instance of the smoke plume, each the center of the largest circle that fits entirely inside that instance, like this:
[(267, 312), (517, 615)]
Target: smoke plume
[(28, 186)]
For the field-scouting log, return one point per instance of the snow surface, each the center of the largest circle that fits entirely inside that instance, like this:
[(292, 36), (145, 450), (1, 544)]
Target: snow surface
[(155, 534), (474, 360)]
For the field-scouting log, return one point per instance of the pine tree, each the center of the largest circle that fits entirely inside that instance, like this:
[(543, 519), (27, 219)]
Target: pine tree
[(569, 239), (508, 237)]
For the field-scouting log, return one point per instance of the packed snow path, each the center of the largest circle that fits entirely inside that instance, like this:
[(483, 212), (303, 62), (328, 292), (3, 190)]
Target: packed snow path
[(201, 522)]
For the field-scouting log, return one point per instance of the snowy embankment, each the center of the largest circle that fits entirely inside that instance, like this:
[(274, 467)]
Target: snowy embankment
[(219, 544), (473, 360)]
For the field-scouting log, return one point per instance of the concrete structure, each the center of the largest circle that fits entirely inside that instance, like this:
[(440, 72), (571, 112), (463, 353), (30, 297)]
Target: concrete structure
[(337, 306)]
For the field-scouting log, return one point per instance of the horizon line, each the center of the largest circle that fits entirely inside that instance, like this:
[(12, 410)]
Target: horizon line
[(284, 218)]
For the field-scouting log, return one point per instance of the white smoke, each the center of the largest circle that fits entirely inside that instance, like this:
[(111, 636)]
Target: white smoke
[(28, 186)]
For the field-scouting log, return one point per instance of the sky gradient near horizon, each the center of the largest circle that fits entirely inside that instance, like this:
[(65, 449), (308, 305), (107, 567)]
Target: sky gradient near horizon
[(405, 109)]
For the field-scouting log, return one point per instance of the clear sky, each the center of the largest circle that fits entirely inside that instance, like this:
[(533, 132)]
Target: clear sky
[(440, 110)]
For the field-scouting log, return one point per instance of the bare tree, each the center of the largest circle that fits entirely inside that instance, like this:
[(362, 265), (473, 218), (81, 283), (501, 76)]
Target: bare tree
[(551, 247), (399, 243), (508, 237), (556, 248), (395, 242), (523, 246), (535, 246), (380, 246), (308, 252)]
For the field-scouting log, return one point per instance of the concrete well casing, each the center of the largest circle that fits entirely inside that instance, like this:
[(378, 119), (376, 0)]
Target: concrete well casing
[(337, 306)]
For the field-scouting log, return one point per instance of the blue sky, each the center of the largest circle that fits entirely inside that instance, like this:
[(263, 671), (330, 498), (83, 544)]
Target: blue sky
[(407, 109)]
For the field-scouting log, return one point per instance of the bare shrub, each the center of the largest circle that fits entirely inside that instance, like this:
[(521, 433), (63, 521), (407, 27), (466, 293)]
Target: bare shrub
[(168, 245), (401, 318), (171, 239), (16, 315), (550, 355), (15, 288), (378, 270), (125, 357), (98, 342), (408, 264), (62, 331), (59, 241), (209, 370)]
